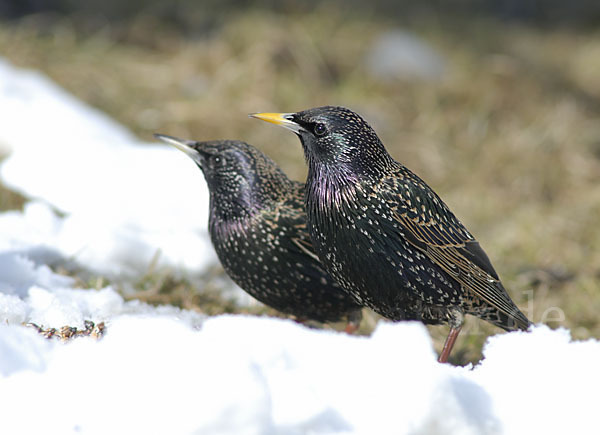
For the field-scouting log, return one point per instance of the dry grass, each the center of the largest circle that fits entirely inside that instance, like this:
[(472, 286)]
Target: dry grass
[(510, 138)]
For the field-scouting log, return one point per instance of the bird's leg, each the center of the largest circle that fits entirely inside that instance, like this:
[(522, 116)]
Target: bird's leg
[(449, 343), (353, 324), (456, 324), (350, 328)]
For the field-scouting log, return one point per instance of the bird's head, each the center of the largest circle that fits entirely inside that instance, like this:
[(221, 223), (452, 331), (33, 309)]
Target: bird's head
[(335, 138), (240, 178)]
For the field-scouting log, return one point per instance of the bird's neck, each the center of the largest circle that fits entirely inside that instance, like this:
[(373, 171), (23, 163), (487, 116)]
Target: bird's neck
[(330, 189), (231, 214)]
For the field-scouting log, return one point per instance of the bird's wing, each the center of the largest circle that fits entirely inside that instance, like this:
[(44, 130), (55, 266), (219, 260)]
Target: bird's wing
[(429, 225)]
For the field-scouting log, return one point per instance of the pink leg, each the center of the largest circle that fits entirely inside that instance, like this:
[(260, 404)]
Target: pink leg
[(450, 340)]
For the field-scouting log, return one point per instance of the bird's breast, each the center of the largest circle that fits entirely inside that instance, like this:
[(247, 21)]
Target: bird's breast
[(338, 224)]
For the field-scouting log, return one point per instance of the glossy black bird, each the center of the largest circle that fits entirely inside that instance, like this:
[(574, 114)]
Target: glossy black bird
[(385, 235), (257, 226)]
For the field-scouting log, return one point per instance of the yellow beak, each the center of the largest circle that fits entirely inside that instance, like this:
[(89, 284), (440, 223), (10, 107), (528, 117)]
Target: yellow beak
[(282, 119)]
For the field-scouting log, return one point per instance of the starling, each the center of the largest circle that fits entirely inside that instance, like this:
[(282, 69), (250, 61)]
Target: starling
[(257, 226), (385, 235)]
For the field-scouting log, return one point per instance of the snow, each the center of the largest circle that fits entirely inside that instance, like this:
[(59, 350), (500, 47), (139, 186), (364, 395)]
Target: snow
[(125, 202), (165, 370), (172, 371)]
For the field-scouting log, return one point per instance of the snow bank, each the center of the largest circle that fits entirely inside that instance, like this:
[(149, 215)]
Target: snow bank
[(165, 370), (126, 203)]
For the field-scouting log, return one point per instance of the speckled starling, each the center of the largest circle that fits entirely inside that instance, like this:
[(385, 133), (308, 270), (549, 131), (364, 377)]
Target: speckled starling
[(257, 226), (385, 235)]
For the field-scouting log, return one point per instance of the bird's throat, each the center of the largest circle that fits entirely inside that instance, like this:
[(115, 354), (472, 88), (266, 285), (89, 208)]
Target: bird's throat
[(331, 188)]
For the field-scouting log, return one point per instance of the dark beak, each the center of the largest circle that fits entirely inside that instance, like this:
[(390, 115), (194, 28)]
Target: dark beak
[(187, 146)]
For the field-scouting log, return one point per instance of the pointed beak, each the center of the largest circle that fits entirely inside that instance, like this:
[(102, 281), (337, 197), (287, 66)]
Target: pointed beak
[(187, 146), (282, 119)]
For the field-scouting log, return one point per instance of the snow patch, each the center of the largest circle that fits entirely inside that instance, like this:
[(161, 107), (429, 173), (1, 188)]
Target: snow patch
[(127, 204)]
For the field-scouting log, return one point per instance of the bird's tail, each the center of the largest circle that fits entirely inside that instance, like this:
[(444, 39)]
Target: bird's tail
[(512, 321)]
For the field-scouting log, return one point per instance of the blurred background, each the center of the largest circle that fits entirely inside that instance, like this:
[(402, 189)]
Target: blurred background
[(496, 104)]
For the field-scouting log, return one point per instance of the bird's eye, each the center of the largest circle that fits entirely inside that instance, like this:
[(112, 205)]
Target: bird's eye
[(217, 161), (320, 129)]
